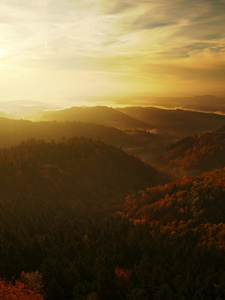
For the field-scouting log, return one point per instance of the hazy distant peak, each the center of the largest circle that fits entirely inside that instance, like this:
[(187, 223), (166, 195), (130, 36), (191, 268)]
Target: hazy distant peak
[(96, 114), (24, 108)]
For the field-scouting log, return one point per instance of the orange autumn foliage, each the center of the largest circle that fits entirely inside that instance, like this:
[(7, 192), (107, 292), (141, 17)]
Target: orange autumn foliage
[(122, 275), (196, 154), (17, 291)]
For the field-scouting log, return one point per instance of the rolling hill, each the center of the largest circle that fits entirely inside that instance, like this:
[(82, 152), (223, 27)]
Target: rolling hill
[(141, 143), (176, 122), (197, 154), (79, 169), (13, 132), (70, 211), (99, 114), (199, 200), (93, 222)]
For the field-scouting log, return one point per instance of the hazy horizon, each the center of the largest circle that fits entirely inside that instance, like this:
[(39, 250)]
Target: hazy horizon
[(31, 109)]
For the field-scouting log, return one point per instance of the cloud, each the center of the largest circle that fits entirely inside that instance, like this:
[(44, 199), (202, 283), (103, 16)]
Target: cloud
[(128, 40)]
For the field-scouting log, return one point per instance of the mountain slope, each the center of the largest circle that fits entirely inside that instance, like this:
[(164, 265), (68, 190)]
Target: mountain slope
[(141, 143), (176, 122), (166, 243), (78, 169), (197, 154), (197, 199), (13, 132), (98, 114)]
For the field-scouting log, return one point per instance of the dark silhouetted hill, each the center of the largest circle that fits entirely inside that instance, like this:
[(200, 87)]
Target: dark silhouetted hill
[(177, 122), (77, 169), (13, 132), (142, 143), (207, 103)]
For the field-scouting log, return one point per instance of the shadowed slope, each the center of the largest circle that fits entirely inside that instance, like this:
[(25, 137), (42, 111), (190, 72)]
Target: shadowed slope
[(87, 172), (14, 131), (177, 122)]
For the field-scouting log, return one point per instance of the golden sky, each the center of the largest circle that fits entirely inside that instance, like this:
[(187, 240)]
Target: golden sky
[(63, 50)]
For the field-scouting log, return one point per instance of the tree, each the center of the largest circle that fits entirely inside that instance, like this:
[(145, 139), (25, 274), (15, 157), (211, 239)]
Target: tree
[(17, 291)]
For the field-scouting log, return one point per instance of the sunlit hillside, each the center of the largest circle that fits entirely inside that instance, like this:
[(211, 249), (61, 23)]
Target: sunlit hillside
[(196, 154), (194, 200)]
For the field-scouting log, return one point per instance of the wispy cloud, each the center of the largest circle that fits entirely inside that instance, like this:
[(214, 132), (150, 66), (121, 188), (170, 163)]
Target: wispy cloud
[(148, 44)]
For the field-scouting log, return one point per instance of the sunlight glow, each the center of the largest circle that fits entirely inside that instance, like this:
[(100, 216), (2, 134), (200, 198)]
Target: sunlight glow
[(91, 31), (2, 52), (72, 49)]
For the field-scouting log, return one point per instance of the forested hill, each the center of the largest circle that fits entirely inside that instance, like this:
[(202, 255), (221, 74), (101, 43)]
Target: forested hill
[(141, 143), (197, 154), (164, 242), (196, 200), (78, 169), (12, 132)]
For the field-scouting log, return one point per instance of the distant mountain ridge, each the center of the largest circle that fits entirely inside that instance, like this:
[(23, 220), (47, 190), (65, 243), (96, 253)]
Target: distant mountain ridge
[(204, 103), (28, 108), (141, 143), (98, 114), (207, 103), (176, 122), (23, 108)]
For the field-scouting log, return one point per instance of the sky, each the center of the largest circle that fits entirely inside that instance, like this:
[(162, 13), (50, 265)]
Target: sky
[(77, 51)]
